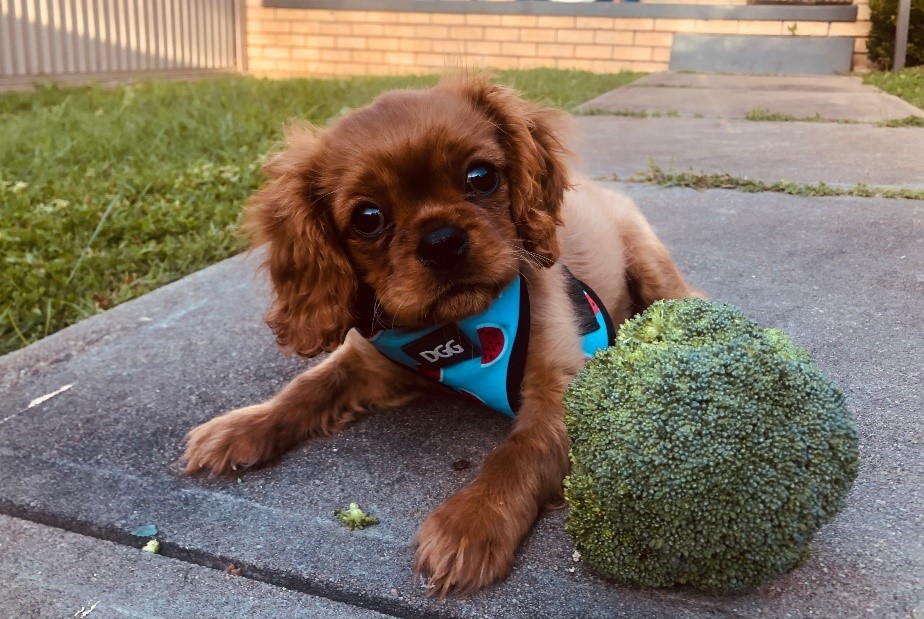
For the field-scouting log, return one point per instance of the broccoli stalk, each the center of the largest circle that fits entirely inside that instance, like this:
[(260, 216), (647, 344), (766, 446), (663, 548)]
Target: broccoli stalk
[(706, 450), (355, 518)]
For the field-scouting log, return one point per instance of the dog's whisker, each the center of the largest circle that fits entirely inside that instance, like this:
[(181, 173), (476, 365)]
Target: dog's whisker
[(377, 312), (524, 253), (500, 128), (316, 202)]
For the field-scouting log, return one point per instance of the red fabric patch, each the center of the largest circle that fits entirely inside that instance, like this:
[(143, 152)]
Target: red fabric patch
[(492, 343), (592, 304)]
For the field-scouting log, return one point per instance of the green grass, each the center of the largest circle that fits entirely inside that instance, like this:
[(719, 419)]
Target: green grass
[(564, 89), (106, 194), (907, 84), (907, 121), (700, 180), (760, 114)]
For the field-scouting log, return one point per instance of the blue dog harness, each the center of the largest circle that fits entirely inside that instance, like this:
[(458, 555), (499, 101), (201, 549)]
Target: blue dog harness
[(484, 356)]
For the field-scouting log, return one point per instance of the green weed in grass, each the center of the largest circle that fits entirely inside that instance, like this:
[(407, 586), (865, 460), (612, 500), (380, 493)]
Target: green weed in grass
[(760, 114), (701, 180), (907, 121), (629, 113), (106, 194)]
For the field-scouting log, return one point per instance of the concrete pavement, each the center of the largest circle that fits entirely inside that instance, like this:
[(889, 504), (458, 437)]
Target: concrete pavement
[(843, 276), (805, 153), (844, 98), (706, 130), (81, 470), (48, 572)]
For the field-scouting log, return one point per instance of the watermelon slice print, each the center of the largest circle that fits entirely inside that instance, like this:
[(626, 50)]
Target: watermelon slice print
[(592, 304), (493, 343)]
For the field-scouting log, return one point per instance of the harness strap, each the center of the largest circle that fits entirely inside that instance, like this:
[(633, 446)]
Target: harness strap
[(484, 356)]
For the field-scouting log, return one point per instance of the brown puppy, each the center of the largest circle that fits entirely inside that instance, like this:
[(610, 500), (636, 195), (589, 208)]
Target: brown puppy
[(424, 206)]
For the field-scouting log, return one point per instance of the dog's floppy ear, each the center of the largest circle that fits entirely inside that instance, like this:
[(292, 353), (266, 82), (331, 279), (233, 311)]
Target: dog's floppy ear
[(537, 160), (313, 281)]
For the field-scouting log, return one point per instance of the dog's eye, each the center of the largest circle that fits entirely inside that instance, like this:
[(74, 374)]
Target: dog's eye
[(481, 179), (368, 220)]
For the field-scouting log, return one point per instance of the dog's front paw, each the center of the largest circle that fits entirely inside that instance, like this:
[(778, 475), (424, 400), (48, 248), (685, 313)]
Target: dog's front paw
[(235, 440), (465, 544)]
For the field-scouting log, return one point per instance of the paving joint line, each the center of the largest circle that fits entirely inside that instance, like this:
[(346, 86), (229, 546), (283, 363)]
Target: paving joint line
[(701, 181), (172, 550)]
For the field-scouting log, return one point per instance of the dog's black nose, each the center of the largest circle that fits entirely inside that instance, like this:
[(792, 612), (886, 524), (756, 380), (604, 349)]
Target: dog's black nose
[(443, 248)]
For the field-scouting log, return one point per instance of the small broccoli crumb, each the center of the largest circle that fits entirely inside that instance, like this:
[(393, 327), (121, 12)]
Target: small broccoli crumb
[(152, 546), (705, 450), (355, 518)]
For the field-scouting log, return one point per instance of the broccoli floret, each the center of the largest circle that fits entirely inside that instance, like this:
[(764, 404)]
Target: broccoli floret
[(153, 546), (355, 518), (705, 450)]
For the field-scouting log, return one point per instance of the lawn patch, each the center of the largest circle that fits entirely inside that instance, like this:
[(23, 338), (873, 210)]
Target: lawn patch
[(108, 193), (565, 89), (907, 84)]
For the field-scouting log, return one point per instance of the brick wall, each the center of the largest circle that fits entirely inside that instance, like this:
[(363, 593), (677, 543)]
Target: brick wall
[(861, 28), (320, 42)]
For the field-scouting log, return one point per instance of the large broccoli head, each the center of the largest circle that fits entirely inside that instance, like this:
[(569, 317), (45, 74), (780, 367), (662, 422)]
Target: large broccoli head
[(706, 450)]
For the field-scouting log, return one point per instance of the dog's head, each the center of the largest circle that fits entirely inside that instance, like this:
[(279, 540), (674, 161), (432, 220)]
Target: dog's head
[(425, 203)]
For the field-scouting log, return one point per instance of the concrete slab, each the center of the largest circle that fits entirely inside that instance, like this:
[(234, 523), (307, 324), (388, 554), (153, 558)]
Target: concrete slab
[(718, 81), (767, 151), (845, 277), (48, 572), (729, 96)]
